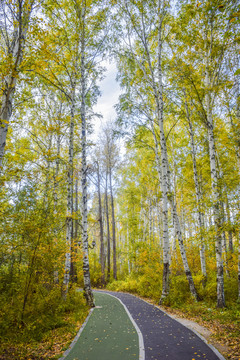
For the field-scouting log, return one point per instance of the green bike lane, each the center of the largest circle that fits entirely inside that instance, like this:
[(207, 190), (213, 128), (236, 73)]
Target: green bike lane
[(125, 327), (109, 333)]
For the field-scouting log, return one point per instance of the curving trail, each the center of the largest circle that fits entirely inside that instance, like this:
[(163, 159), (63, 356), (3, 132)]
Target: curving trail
[(124, 327)]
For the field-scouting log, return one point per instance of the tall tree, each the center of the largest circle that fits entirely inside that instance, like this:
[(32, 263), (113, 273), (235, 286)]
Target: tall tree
[(15, 19), (145, 54)]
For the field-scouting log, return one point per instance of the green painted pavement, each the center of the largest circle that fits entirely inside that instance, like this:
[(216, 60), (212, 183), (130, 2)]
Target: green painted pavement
[(108, 335)]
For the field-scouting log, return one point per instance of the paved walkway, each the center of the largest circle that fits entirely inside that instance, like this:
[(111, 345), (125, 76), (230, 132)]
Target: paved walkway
[(124, 327)]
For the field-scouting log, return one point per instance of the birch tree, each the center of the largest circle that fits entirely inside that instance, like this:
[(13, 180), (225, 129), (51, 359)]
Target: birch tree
[(15, 17), (82, 44), (197, 191), (213, 37), (143, 23), (100, 213)]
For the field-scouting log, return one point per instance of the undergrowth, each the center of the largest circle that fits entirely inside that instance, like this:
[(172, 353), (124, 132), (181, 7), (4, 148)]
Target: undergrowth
[(48, 326)]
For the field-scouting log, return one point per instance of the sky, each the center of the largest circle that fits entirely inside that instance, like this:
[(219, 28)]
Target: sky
[(110, 91)]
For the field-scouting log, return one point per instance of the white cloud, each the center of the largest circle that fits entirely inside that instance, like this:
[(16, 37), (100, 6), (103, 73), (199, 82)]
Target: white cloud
[(110, 91)]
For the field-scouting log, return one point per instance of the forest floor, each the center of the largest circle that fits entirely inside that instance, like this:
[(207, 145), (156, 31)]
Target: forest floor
[(51, 346)]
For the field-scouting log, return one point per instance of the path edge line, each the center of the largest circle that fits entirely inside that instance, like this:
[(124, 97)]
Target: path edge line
[(221, 357), (65, 354), (140, 336)]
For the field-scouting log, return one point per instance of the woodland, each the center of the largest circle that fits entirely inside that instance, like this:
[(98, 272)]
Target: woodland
[(151, 205)]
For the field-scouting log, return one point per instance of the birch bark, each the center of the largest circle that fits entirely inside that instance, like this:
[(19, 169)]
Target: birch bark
[(102, 253), (14, 50), (108, 230), (113, 227), (215, 192), (198, 195), (237, 149), (164, 159), (74, 244), (86, 272), (230, 237), (69, 216), (166, 181), (183, 252), (55, 189)]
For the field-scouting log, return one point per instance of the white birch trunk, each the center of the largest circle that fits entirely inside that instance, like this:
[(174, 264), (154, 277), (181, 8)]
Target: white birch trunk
[(162, 174), (86, 271), (15, 51), (180, 238), (216, 212), (108, 230), (113, 229), (198, 196), (174, 244), (56, 172), (164, 160), (183, 253), (216, 196), (238, 156), (69, 215), (159, 217), (230, 237), (55, 197), (102, 254), (210, 82), (237, 149)]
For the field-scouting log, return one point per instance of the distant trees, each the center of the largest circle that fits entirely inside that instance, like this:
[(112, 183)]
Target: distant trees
[(105, 163)]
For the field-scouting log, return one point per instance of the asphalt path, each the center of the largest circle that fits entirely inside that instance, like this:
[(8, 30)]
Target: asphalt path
[(163, 336), (124, 327)]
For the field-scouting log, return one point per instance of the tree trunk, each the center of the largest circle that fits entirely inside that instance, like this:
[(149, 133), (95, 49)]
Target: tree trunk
[(108, 233), (102, 252), (216, 213), (69, 217), (55, 197), (15, 52), (86, 271), (73, 271), (183, 252), (113, 229), (198, 197), (230, 237), (164, 160), (55, 181), (238, 157)]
